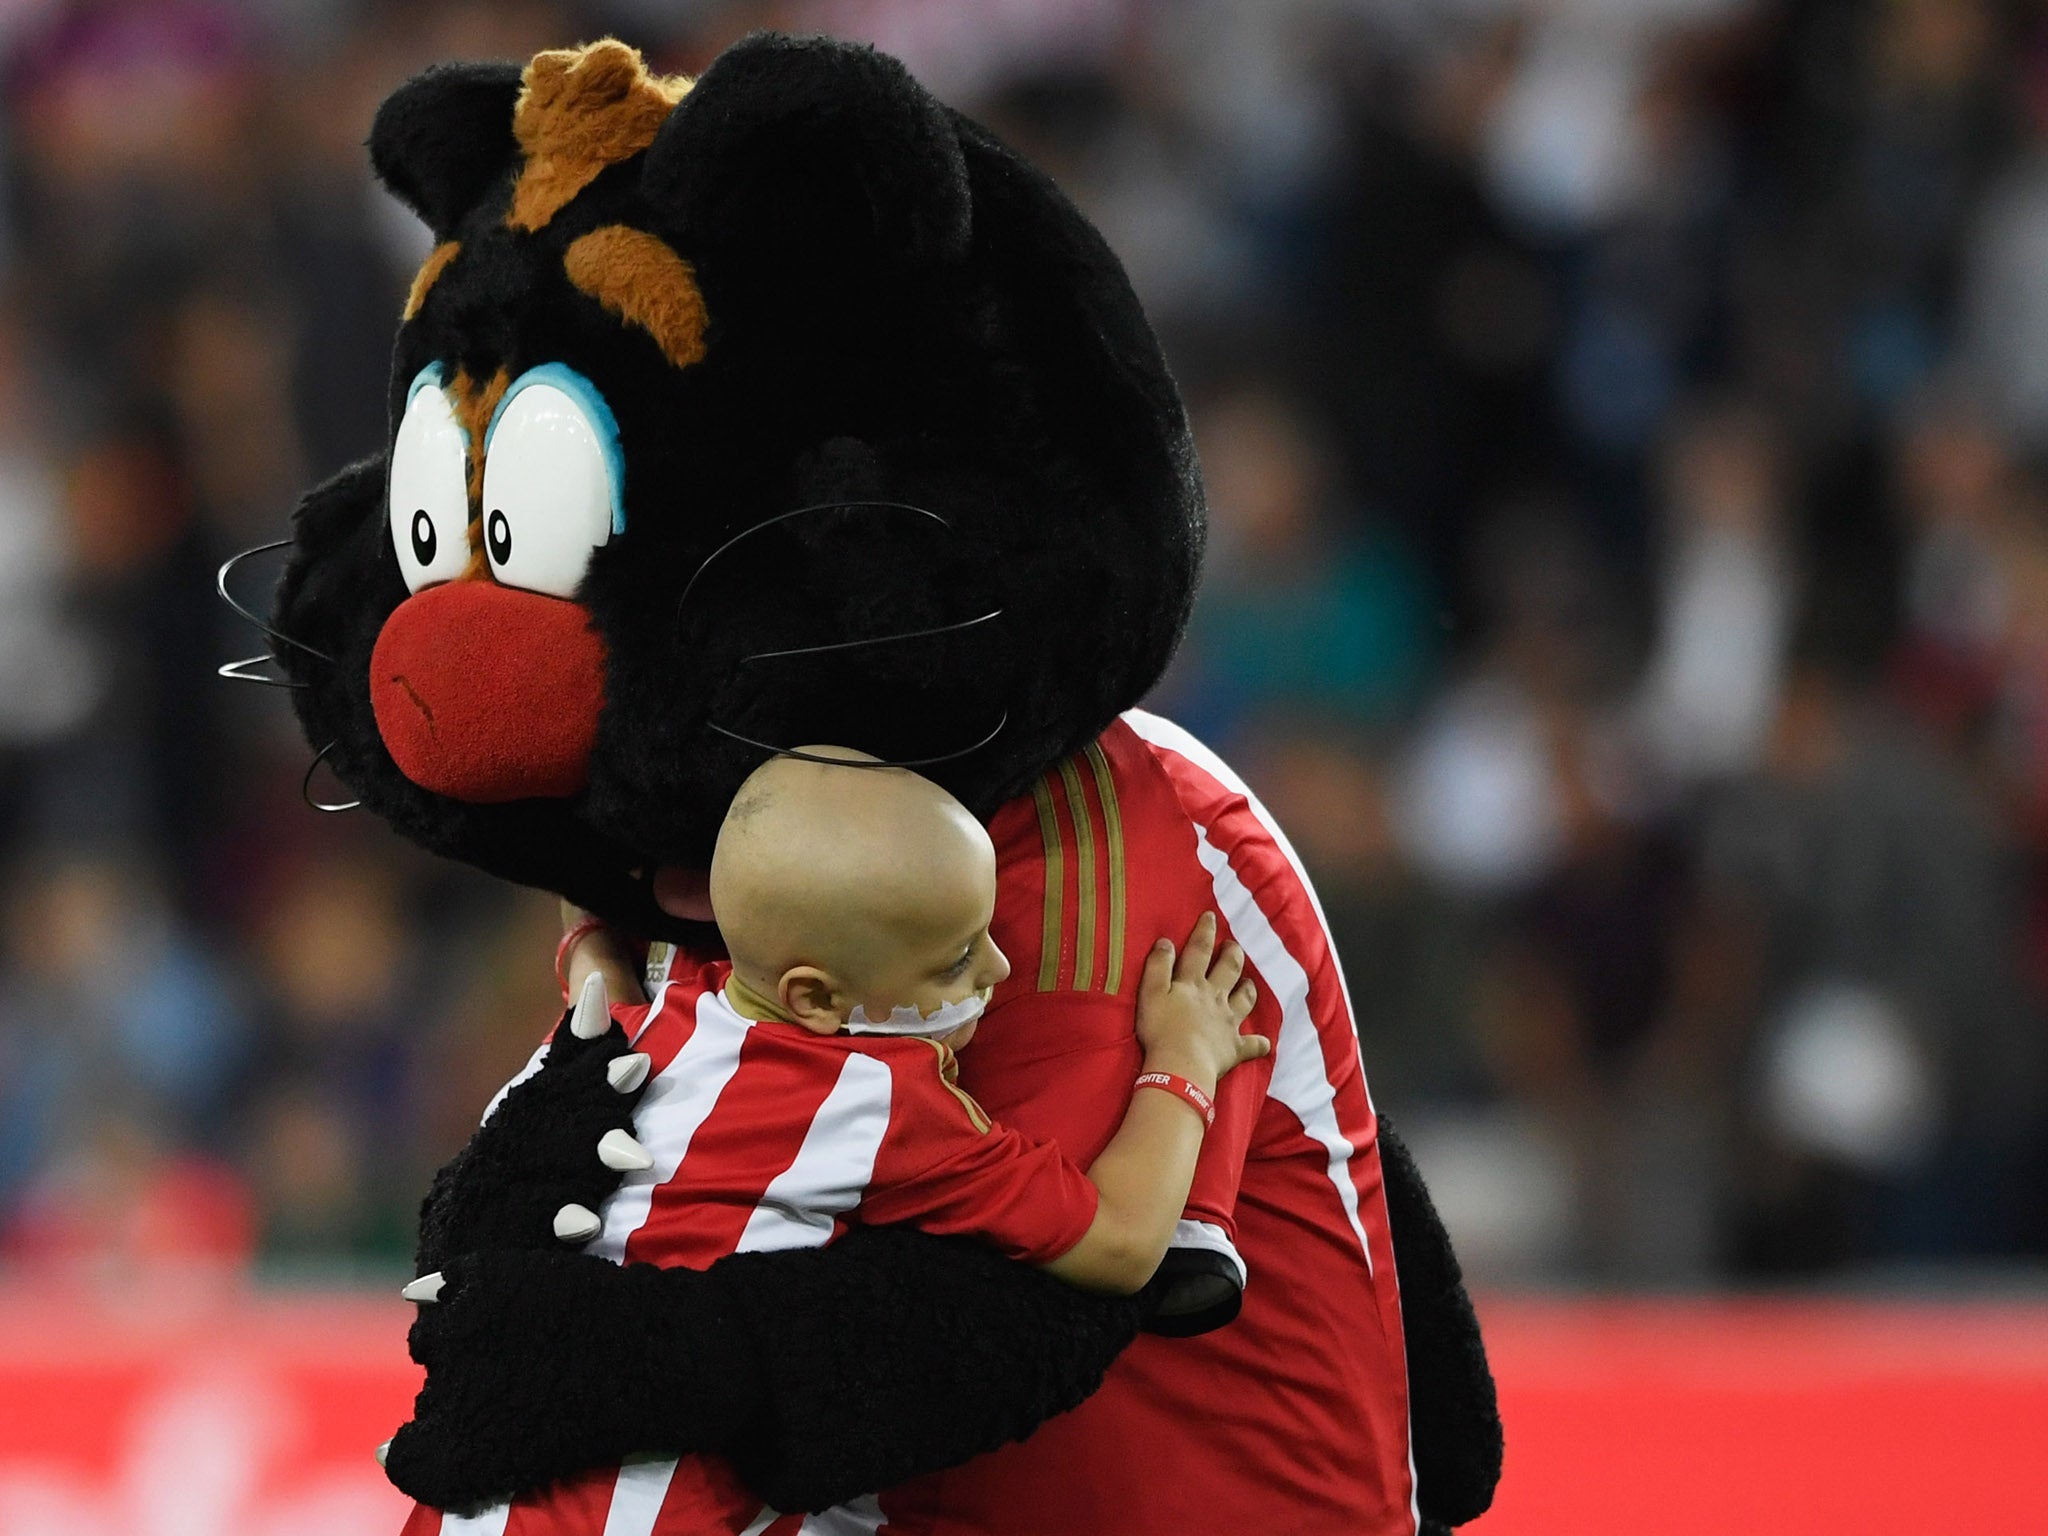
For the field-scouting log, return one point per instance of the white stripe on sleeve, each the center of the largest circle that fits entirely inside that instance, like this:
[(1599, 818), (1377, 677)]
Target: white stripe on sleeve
[(832, 1167), (1301, 1078)]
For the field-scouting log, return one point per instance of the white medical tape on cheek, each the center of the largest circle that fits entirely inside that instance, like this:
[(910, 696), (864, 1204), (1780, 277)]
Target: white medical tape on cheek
[(906, 1020)]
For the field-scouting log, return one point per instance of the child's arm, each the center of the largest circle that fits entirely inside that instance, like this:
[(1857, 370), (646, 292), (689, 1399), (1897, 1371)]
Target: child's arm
[(598, 950), (1188, 1013)]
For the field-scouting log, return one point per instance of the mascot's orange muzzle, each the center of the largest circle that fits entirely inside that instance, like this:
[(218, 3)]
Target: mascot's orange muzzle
[(488, 693)]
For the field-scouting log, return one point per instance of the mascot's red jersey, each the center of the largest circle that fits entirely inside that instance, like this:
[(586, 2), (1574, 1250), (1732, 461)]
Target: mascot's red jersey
[(1292, 1417)]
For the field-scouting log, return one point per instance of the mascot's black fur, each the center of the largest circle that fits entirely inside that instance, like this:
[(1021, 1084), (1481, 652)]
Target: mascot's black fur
[(900, 466)]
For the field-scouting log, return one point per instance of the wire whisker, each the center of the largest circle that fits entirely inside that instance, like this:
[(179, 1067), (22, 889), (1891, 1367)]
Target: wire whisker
[(851, 645), (235, 672), (682, 603), (841, 762), (690, 586), (220, 585), (306, 784)]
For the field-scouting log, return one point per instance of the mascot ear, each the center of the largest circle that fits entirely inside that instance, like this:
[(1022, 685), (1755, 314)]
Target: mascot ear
[(808, 145), (444, 138)]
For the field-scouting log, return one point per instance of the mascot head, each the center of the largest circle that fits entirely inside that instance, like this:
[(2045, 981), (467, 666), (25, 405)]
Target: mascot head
[(786, 405)]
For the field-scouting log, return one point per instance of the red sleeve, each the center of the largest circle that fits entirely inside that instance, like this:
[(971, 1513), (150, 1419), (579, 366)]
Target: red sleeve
[(1240, 1097), (946, 1168)]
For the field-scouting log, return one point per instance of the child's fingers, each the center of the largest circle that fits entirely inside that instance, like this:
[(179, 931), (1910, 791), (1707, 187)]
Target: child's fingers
[(1194, 960), (1158, 969), (1227, 967), (1243, 998)]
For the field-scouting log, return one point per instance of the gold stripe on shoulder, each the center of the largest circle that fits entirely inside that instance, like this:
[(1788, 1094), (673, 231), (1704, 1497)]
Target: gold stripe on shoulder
[(1055, 877), (1113, 839), (1084, 878), (949, 1074)]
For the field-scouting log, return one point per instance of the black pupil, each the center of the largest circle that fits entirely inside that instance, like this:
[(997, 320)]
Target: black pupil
[(423, 537), (499, 532)]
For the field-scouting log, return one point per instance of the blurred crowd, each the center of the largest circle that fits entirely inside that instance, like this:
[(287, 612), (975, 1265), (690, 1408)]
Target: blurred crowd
[(1626, 431)]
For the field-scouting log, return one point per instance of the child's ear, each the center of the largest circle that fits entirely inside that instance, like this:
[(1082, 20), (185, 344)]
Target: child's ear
[(807, 995), (444, 139), (810, 149)]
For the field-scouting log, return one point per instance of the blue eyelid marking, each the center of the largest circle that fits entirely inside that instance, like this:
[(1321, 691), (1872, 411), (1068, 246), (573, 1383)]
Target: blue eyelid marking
[(591, 398), (432, 375)]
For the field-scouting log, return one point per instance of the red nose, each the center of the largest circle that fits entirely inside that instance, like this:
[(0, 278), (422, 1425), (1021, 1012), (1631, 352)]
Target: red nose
[(487, 693)]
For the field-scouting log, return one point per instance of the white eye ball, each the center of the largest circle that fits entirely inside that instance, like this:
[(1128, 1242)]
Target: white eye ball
[(429, 491), (547, 492)]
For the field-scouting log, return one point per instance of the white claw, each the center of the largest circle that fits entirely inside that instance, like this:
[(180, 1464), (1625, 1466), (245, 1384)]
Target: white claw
[(621, 1153), (383, 1453), (426, 1288), (576, 1223), (627, 1072), (593, 1010)]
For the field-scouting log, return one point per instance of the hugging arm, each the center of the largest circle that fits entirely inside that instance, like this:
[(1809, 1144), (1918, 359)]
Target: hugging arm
[(543, 1362)]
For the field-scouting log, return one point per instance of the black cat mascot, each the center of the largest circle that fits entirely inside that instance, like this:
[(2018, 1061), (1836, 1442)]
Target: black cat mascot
[(790, 406)]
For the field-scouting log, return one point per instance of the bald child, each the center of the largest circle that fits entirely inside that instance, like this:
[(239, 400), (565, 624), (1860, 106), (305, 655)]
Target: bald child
[(855, 902)]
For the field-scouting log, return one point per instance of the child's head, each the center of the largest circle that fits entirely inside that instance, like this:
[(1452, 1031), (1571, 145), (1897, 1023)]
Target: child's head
[(847, 887)]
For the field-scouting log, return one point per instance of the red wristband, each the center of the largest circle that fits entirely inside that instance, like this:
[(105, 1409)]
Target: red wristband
[(576, 935), (1201, 1102)]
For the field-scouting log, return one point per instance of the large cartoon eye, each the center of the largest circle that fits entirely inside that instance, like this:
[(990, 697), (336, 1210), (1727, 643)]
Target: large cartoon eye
[(550, 481), (429, 487)]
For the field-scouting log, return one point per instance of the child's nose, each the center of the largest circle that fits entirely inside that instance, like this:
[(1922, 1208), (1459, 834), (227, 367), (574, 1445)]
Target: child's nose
[(999, 964)]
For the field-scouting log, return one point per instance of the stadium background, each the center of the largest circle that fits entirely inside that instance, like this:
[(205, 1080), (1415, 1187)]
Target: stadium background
[(1626, 424)]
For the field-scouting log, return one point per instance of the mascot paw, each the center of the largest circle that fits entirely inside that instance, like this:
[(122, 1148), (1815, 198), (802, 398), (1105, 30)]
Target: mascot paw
[(534, 1362), (548, 1155), (505, 1406)]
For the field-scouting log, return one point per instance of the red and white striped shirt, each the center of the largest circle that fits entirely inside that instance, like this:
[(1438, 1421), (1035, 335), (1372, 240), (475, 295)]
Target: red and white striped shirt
[(766, 1136), (1295, 1416)]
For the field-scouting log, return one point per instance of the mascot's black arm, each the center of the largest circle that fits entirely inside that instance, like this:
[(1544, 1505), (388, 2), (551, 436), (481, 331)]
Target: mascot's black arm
[(1453, 1416), (822, 1373)]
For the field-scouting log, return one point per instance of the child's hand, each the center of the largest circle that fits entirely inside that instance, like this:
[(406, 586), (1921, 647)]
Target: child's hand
[(1188, 1011)]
